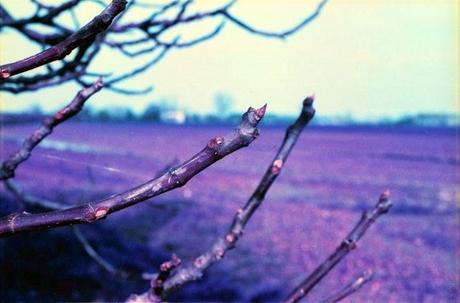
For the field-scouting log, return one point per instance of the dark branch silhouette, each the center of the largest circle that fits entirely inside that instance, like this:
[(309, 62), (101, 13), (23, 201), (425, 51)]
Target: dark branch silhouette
[(347, 245), (109, 30), (216, 252), (52, 12), (85, 35)]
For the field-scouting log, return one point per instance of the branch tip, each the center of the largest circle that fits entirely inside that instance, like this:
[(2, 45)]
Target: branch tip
[(384, 204), (261, 111), (309, 100)]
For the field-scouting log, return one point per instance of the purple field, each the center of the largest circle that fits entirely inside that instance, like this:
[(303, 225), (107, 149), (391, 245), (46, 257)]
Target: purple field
[(332, 175)]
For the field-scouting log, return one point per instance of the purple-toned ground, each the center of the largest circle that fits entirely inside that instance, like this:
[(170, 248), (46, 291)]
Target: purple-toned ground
[(332, 175)]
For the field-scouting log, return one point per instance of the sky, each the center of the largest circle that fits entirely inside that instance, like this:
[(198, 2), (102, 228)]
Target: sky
[(361, 58)]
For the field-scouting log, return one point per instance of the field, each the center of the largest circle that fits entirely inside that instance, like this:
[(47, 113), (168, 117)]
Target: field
[(331, 176)]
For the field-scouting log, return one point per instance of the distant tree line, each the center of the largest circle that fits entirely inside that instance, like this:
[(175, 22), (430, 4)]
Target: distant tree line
[(167, 112)]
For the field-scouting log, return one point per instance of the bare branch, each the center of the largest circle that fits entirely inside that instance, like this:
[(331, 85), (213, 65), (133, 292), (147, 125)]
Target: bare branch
[(94, 254), (153, 29), (223, 12), (86, 34), (152, 62), (22, 195), (68, 71), (216, 149), (45, 19), (281, 34), (350, 288), (216, 252), (30, 199), (9, 166), (347, 245), (50, 39)]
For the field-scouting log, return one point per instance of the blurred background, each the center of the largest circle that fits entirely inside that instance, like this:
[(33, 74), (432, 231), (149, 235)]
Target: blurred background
[(386, 79)]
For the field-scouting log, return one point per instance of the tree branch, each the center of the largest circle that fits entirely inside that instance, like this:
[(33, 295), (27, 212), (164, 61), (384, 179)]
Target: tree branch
[(87, 33), (26, 197), (350, 288), (68, 71), (44, 19), (21, 195), (89, 249), (9, 166), (152, 29), (216, 149), (216, 252), (347, 245), (280, 34), (50, 39)]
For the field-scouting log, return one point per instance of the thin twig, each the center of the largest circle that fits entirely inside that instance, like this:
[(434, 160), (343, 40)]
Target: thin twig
[(9, 166), (350, 288), (275, 34), (22, 195), (154, 33), (347, 245), (216, 252), (216, 149), (94, 254), (37, 18)]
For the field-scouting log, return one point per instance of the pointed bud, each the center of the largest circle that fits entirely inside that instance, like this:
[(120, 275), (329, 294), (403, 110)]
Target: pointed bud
[(261, 112)]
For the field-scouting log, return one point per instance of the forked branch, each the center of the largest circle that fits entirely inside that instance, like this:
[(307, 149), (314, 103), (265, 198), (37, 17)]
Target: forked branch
[(216, 149), (216, 252), (152, 35), (347, 245)]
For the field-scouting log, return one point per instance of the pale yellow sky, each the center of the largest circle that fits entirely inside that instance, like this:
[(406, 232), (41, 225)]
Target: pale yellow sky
[(365, 58)]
